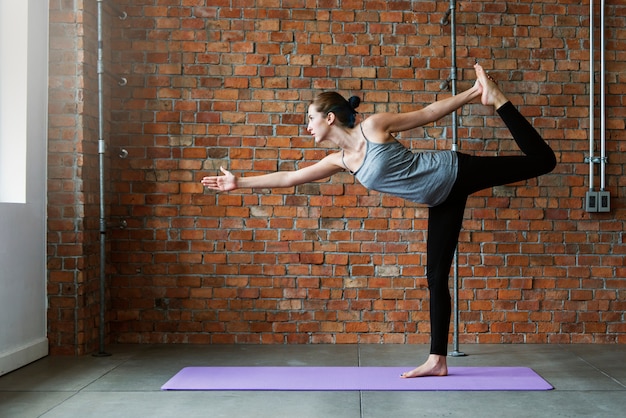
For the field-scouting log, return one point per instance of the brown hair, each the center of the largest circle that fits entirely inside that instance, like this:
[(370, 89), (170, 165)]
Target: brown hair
[(344, 110)]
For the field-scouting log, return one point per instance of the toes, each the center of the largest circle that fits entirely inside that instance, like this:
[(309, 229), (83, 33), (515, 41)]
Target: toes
[(490, 78)]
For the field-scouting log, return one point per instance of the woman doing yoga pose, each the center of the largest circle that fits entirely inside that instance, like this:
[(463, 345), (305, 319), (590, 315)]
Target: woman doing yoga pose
[(442, 180)]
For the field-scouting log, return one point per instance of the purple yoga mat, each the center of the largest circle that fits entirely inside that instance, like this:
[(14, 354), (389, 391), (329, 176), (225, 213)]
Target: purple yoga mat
[(353, 379)]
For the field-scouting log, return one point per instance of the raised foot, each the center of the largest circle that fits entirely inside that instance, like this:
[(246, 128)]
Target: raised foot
[(491, 95)]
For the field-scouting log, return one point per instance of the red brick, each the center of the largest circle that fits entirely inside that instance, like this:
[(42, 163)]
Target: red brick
[(523, 257)]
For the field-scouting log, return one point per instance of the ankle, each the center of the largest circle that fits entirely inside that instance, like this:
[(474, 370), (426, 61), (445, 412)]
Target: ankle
[(499, 101), (437, 359)]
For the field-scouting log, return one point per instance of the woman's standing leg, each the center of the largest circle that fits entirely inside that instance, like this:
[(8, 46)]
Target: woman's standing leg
[(444, 225)]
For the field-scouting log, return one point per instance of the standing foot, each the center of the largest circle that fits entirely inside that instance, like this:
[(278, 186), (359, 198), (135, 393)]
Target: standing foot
[(436, 365)]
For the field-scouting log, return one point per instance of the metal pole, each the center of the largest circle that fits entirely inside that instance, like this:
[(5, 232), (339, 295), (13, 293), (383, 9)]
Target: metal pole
[(455, 335), (602, 99), (591, 98), (453, 72), (101, 151)]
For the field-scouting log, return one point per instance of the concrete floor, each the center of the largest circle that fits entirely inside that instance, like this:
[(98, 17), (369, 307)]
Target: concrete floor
[(589, 381)]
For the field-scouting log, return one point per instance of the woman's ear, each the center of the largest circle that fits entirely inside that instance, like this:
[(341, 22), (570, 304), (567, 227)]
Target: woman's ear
[(330, 118)]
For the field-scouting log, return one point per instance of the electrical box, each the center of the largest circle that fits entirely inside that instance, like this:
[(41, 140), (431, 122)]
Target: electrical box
[(598, 201), (604, 201), (591, 201)]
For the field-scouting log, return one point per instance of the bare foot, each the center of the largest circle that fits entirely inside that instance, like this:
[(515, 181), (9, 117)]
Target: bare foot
[(436, 365), (491, 95)]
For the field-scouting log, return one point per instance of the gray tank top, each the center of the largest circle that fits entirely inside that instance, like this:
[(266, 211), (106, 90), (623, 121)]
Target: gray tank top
[(421, 177)]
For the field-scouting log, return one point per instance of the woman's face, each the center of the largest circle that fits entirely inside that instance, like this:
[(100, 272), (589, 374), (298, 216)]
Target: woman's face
[(318, 124)]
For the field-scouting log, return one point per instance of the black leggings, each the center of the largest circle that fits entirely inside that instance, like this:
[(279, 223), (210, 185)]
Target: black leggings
[(445, 220)]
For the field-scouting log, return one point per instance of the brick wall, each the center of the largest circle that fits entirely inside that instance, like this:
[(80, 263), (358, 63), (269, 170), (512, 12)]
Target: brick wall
[(216, 82), (73, 179)]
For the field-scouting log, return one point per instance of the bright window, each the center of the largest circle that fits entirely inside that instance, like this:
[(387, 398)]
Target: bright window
[(13, 93)]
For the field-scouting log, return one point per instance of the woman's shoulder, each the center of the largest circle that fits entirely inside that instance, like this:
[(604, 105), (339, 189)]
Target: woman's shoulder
[(373, 129), (333, 158)]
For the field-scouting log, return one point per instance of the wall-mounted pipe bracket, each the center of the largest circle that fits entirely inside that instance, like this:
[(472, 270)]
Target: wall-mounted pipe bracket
[(446, 18), (121, 81), (120, 14), (122, 224), (596, 160), (445, 84)]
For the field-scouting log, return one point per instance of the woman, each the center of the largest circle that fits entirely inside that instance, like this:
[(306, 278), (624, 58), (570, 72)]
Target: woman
[(442, 180)]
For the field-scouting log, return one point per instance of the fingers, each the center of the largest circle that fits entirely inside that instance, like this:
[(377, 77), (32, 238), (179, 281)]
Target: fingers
[(213, 179), (213, 186), (209, 182), (479, 70)]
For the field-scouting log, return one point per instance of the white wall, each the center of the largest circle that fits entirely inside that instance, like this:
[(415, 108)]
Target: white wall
[(23, 143)]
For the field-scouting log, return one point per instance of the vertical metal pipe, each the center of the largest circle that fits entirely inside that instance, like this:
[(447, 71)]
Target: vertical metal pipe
[(453, 71), (101, 151), (591, 98), (602, 99), (455, 335)]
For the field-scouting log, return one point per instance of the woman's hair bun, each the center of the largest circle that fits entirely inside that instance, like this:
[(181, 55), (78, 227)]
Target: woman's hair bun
[(354, 101)]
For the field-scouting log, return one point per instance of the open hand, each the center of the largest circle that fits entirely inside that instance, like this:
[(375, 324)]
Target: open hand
[(223, 183)]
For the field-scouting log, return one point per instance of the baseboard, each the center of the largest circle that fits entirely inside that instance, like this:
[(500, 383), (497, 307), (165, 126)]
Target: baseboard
[(12, 360)]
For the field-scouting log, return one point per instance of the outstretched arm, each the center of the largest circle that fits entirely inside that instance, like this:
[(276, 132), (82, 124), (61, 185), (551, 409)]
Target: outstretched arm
[(320, 170), (399, 122)]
